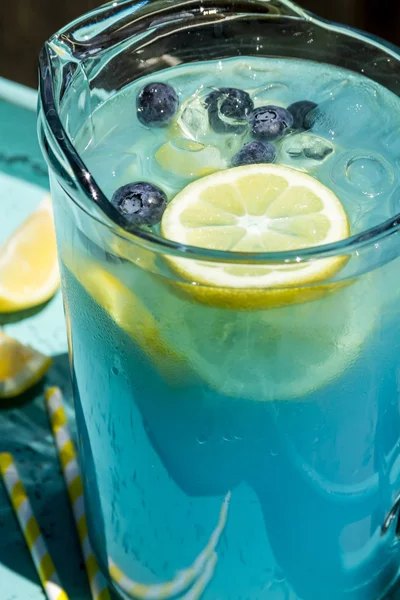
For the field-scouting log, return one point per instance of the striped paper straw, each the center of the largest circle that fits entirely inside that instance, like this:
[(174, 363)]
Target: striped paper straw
[(202, 568), (73, 481), (197, 590), (30, 529)]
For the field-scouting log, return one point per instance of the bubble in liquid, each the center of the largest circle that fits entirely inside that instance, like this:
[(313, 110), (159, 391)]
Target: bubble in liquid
[(367, 172)]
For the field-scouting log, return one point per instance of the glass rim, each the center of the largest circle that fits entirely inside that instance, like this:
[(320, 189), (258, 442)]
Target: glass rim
[(107, 216)]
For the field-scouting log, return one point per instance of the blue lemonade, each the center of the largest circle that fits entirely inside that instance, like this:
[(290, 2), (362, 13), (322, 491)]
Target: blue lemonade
[(239, 446)]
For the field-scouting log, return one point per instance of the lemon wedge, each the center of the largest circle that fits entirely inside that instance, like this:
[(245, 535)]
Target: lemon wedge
[(256, 208), (28, 262), (20, 367)]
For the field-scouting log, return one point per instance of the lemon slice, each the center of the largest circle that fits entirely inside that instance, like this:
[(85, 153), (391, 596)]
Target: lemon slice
[(20, 367), (129, 313), (28, 262), (256, 355), (282, 354), (257, 208)]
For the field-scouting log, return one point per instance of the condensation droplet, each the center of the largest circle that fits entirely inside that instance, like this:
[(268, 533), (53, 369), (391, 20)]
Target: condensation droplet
[(279, 576), (202, 439)]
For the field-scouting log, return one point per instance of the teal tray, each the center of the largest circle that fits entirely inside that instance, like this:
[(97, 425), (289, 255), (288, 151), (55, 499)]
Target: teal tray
[(24, 426)]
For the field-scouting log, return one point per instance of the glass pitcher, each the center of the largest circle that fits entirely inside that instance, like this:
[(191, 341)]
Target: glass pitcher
[(192, 489)]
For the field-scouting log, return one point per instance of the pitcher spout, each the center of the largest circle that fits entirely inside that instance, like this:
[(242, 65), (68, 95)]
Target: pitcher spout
[(286, 8)]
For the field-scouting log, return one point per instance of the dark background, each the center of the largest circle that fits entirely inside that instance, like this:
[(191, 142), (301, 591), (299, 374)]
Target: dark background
[(25, 24)]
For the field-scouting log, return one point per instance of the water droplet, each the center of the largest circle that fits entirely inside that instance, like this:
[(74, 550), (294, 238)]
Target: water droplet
[(115, 371), (202, 439), (279, 577)]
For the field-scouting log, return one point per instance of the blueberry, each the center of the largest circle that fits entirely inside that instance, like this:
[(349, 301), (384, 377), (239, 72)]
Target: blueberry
[(157, 104), (140, 203), (300, 111), (269, 122), (228, 108), (254, 153)]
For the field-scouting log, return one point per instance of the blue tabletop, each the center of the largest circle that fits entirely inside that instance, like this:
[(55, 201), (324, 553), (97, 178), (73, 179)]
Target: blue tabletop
[(24, 427)]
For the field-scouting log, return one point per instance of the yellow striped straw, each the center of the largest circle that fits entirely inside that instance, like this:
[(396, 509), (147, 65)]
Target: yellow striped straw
[(73, 481), (197, 590), (166, 590), (30, 529), (200, 572)]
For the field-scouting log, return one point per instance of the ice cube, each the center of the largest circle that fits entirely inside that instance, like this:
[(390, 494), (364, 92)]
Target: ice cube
[(189, 159), (192, 118), (127, 168), (192, 123), (275, 94), (350, 108), (253, 72), (392, 141), (304, 150), (367, 173)]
